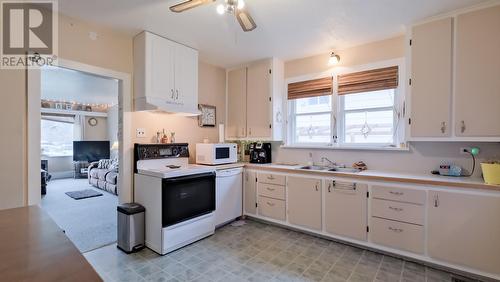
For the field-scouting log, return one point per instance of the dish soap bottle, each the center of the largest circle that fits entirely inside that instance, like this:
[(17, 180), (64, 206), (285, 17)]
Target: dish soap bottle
[(310, 162)]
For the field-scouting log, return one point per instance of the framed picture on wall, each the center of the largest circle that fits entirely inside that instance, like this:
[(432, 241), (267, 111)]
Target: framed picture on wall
[(59, 106)]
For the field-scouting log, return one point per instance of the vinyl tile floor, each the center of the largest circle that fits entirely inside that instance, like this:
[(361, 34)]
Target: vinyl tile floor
[(260, 252)]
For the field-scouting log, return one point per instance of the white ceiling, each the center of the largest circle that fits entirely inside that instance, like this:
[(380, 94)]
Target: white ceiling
[(286, 29), (62, 84)]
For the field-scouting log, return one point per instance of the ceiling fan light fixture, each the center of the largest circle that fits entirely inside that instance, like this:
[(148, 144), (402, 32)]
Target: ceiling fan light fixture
[(334, 59), (221, 9), (245, 20), (241, 4)]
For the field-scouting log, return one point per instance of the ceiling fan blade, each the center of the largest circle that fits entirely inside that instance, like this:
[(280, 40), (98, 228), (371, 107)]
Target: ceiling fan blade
[(189, 4), (245, 20)]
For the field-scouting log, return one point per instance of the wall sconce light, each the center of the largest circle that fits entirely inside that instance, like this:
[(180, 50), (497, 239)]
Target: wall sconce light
[(334, 59)]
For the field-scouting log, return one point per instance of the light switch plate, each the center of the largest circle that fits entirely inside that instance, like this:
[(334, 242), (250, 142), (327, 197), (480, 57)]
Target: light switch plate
[(140, 132)]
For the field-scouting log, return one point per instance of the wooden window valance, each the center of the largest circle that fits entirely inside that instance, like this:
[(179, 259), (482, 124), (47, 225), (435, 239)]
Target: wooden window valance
[(371, 80), (310, 88)]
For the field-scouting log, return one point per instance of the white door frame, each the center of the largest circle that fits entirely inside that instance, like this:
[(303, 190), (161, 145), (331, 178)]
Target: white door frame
[(125, 154)]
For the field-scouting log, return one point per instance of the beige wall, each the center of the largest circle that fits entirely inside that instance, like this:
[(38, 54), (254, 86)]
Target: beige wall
[(99, 132), (111, 50), (359, 55), (211, 89), (12, 143)]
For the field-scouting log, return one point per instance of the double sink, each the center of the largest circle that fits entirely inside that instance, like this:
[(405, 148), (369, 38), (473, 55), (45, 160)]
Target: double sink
[(325, 168)]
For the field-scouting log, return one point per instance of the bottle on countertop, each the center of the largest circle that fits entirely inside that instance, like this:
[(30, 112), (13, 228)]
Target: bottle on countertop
[(172, 137), (310, 162), (164, 138)]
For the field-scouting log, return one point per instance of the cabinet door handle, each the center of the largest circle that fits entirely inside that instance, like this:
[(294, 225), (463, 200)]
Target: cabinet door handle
[(172, 95), (270, 204), (395, 209), (249, 131), (329, 187), (270, 189), (443, 127), (177, 94), (316, 187), (397, 230), (436, 200), (462, 127), (396, 193)]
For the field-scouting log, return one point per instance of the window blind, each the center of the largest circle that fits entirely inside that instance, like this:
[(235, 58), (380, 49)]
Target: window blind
[(310, 88), (366, 81)]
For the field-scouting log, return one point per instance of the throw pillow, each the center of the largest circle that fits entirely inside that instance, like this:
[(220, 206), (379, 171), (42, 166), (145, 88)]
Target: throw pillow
[(104, 163)]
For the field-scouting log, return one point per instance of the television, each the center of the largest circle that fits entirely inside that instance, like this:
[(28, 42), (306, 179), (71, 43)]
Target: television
[(90, 151)]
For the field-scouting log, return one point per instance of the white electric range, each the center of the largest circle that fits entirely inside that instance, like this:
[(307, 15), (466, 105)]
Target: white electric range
[(179, 197)]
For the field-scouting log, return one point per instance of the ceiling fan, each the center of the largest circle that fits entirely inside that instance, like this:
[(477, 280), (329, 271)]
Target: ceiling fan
[(234, 7)]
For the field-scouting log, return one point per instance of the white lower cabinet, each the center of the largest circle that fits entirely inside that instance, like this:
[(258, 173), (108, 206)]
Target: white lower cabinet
[(464, 229), (346, 209), (304, 202), (250, 192), (272, 208), (398, 235)]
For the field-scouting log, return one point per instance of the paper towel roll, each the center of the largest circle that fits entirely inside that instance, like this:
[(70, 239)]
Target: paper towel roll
[(221, 133)]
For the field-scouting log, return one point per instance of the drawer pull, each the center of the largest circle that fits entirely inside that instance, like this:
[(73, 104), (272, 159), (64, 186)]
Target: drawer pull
[(316, 186), (396, 193), (397, 230), (270, 177), (270, 204), (270, 189), (395, 209)]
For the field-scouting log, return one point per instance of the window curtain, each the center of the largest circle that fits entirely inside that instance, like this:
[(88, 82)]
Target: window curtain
[(79, 128), (310, 88), (366, 81)]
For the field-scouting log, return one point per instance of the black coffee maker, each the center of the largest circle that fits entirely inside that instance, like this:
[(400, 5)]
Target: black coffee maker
[(260, 153)]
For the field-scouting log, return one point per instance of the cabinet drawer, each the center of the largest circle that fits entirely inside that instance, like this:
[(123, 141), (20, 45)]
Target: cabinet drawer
[(270, 178), (398, 235), (271, 208), (272, 191), (398, 211), (399, 194)]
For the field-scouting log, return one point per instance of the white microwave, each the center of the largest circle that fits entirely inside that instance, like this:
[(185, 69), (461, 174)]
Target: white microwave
[(215, 154)]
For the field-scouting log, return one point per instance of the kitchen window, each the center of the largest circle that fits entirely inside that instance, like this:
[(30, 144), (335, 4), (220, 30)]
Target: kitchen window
[(363, 110)]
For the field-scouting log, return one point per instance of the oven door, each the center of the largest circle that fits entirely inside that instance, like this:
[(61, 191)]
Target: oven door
[(187, 197)]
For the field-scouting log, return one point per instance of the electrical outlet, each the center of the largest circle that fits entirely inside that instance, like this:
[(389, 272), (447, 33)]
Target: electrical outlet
[(140, 133), (465, 150)]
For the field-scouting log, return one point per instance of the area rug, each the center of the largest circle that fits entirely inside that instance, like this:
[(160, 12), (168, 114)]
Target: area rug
[(83, 194), (89, 223)]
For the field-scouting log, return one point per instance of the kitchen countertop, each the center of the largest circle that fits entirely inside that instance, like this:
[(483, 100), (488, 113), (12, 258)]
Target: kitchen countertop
[(414, 178)]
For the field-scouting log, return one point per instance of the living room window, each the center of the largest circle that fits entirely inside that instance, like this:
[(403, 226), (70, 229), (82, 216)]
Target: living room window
[(57, 134), (352, 109)]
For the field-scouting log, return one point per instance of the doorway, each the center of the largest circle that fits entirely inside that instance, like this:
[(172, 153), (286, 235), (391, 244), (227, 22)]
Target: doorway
[(119, 142)]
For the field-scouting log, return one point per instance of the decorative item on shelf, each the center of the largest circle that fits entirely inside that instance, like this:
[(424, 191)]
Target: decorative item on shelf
[(68, 106), (59, 106), (92, 121), (45, 104), (88, 108), (172, 137), (158, 137), (334, 59), (207, 117)]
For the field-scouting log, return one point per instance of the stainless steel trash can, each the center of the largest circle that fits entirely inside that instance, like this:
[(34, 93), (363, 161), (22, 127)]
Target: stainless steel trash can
[(130, 227)]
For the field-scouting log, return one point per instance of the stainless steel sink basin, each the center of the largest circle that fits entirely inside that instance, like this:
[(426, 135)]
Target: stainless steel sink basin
[(313, 167), (344, 169)]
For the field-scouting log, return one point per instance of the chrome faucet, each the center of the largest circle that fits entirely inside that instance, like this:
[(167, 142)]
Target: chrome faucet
[(323, 159)]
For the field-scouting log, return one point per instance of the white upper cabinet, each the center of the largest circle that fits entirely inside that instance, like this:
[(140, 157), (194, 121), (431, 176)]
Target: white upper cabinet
[(165, 75), (455, 66), (236, 124), (477, 84), (255, 101), (431, 54)]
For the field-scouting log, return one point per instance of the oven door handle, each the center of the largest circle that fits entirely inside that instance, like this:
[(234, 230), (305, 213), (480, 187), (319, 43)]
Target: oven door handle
[(189, 177)]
